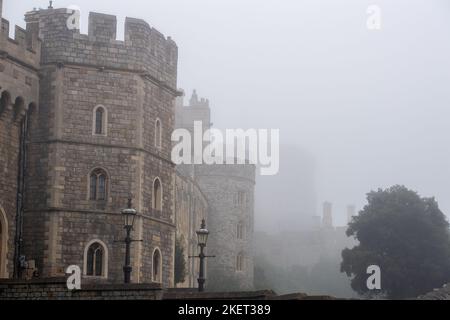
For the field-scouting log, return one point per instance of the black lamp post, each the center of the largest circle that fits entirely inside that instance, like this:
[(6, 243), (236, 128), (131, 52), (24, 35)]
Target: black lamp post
[(202, 237), (129, 214)]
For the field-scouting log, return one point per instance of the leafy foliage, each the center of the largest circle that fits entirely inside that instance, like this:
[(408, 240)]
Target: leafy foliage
[(180, 262), (406, 236)]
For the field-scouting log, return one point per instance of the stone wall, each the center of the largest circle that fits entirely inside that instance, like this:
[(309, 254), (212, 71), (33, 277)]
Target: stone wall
[(191, 207), (19, 85), (134, 82), (223, 185), (56, 289)]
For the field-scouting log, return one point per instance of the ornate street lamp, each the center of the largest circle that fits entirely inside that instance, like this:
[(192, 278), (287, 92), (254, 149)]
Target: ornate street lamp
[(130, 215), (202, 238), (202, 234)]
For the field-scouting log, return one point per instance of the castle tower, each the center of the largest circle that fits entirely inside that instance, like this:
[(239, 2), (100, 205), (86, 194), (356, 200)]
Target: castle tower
[(229, 190), (327, 218), (197, 110), (105, 121), (19, 85)]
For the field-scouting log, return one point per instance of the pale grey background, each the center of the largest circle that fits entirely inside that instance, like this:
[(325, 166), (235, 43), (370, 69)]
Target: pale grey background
[(357, 110)]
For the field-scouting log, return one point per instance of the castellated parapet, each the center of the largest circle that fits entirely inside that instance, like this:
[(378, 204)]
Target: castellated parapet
[(145, 50), (19, 62)]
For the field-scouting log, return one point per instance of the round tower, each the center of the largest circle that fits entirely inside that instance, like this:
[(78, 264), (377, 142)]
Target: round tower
[(230, 192)]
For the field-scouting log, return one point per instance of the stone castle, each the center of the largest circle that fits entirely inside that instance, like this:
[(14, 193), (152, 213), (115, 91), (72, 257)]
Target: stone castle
[(85, 123)]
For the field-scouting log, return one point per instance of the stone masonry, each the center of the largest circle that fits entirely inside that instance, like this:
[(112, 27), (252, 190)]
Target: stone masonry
[(53, 82), (134, 82), (191, 206), (19, 85), (229, 190)]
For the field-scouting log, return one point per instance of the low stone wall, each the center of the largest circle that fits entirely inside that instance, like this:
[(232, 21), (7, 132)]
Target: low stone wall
[(56, 289), (190, 294)]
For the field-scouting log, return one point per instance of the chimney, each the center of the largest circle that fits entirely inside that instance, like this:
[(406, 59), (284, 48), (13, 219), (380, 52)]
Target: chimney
[(327, 218), (1, 9)]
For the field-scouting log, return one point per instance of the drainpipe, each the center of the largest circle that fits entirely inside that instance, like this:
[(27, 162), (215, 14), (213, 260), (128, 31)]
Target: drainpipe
[(19, 259)]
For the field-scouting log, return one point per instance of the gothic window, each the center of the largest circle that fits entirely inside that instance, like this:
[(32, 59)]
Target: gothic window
[(158, 133), (18, 107), (95, 260), (239, 262), (156, 266), (157, 195), (241, 199), (5, 101), (240, 231), (98, 185), (100, 117)]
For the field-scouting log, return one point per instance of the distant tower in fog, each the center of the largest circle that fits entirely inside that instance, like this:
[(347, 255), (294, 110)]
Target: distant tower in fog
[(197, 110), (327, 218), (351, 212)]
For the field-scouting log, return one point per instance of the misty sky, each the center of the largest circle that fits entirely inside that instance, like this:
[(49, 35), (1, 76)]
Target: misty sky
[(371, 107)]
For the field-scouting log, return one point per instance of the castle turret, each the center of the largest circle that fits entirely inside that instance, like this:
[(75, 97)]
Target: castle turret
[(194, 98), (197, 110), (230, 192)]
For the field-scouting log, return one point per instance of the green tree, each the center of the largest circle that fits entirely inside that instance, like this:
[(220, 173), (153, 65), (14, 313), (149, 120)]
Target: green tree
[(407, 237), (180, 262)]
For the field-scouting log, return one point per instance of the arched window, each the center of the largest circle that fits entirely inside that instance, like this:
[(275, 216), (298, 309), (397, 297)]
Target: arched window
[(158, 133), (5, 101), (98, 181), (241, 199), (18, 107), (157, 195), (100, 121), (240, 262), (157, 266), (96, 259), (3, 243), (240, 231)]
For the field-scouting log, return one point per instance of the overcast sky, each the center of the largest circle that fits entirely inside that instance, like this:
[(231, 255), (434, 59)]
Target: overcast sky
[(371, 107)]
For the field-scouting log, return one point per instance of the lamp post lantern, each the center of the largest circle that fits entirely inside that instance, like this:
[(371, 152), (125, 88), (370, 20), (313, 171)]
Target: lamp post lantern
[(202, 238), (129, 214)]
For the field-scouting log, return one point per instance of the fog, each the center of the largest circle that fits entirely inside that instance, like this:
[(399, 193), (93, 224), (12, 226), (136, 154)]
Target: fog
[(371, 107), (357, 109)]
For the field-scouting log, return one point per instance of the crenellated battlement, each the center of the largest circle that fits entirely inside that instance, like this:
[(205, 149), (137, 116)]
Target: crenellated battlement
[(25, 48), (144, 49)]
